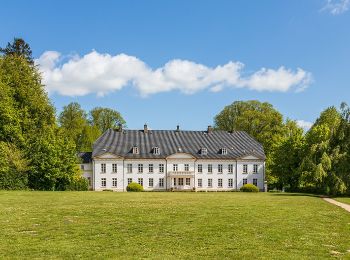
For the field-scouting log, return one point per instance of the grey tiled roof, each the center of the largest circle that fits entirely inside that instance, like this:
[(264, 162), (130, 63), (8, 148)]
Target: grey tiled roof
[(85, 157), (120, 143)]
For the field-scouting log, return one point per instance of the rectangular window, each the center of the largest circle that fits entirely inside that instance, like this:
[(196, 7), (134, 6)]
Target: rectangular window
[(129, 180), (150, 168), (140, 168), (230, 183), (82, 166), (255, 182), (245, 181), (103, 168), (245, 168), (210, 168), (161, 182), (200, 168), (175, 167), (255, 169), (161, 168), (204, 151), (230, 168), (89, 181), (103, 183), (174, 181), (114, 168), (200, 183), (210, 183), (219, 168), (187, 167), (129, 168), (220, 183), (150, 182), (188, 181), (181, 181), (223, 151), (140, 181), (114, 182)]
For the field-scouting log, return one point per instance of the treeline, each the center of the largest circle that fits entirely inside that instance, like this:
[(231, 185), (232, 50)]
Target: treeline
[(84, 128), (36, 151), (317, 161)]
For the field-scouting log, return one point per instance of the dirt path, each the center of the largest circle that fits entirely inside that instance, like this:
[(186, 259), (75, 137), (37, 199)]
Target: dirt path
[(339, 204)]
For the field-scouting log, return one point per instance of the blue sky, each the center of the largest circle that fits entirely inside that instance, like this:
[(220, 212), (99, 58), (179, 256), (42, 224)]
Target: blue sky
[(160, 45)]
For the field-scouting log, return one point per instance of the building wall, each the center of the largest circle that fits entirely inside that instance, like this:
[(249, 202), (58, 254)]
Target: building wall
[(236, 177)]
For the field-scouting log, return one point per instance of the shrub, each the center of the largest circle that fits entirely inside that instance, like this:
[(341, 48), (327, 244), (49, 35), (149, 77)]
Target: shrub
[(134, 187), (249, 188), (78, 184)]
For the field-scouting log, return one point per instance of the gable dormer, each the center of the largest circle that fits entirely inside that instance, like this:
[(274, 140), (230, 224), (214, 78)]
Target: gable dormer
[(223, 151), (204, 151), (156, 150), (135, 150)]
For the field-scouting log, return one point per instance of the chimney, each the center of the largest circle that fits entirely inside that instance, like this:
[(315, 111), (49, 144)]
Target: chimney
[(120, 127), (177, 128), (210, 129), (145, 128)]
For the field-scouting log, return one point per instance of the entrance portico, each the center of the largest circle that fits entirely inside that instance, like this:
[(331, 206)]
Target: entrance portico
[(181, 180)]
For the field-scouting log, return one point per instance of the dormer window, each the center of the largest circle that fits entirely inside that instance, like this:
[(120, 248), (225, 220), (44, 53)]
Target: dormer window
[(135, 150), (156, 150), (223, 151), (204, 151)]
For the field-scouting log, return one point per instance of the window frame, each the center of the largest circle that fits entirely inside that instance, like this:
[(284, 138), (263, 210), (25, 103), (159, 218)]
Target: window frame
[(103, 168), (114, 181), (161, 168), (140, 168), (129, 168), (255, 169), (103, 182), (150, 183), (210, 168), (220, 182), (186, 167), (210, 183), (150, 168), (245, 169), (220, 168), (114, 168), (200, 168)]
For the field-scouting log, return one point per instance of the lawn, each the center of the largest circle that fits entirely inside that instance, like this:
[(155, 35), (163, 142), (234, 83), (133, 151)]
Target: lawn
[(170, 225)]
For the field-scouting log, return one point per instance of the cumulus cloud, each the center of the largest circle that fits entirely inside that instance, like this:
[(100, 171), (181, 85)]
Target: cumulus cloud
[(336, 7), (103, 73), (304, 124)]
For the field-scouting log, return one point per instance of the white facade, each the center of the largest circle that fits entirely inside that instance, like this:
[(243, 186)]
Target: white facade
[(180, 171)]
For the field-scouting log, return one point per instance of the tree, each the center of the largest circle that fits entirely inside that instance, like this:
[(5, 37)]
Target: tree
[(18, 48), (73, 121), (260, 120), (31, 141), (105, 118), (287, 157), (53, 163)]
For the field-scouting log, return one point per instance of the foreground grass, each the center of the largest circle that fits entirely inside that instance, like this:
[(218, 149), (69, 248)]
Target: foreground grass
[(170, 225)]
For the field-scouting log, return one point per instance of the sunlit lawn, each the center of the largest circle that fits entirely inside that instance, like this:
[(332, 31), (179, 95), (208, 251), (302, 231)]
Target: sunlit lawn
[(170, 225), (343, 199)]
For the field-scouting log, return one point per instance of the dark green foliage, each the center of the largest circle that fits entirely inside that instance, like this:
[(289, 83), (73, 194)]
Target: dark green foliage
[(18, 48), (134, 187), (249, 188)]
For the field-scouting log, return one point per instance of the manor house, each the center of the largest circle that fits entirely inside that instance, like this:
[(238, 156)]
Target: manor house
[(210, 160)]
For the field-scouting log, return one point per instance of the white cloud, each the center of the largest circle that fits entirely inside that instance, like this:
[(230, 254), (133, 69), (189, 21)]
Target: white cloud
[(336, 7), (103, 73), (304, 124)]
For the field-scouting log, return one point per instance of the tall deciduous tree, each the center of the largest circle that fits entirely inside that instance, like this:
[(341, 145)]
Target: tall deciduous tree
[(73, 121), (287, 156), (105, 118), (260, 120)]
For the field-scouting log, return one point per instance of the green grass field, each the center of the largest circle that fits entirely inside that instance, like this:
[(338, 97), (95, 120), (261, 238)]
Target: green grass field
[(170, 225)]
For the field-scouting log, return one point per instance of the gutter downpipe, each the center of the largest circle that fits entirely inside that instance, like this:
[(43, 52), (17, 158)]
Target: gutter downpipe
[(236, 176)]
